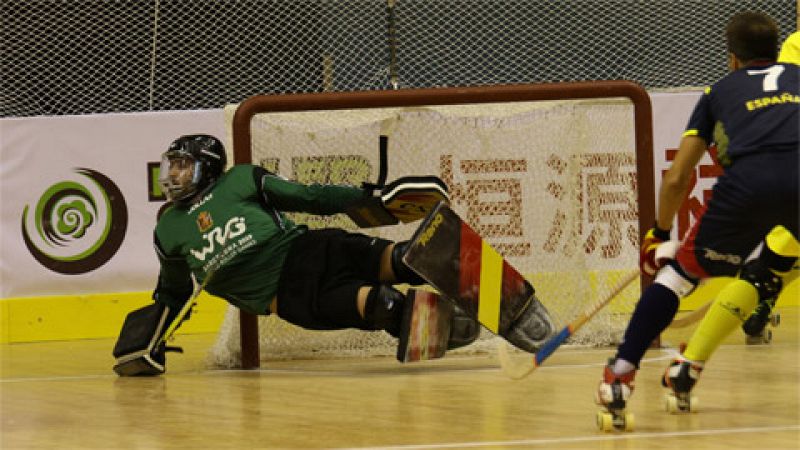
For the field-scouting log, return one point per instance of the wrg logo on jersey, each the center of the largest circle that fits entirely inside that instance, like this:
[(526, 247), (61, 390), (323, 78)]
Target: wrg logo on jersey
[(77, 225)]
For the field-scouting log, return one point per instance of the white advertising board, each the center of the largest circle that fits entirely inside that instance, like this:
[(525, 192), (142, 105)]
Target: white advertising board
[(76, 194)]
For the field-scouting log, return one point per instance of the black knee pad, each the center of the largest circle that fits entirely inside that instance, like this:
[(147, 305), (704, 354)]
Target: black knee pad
[(464, 329), (767, 283), (403, 273), (384, 309)]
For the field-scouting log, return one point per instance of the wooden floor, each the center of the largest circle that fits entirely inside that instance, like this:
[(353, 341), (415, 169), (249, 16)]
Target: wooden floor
[(64, 395)]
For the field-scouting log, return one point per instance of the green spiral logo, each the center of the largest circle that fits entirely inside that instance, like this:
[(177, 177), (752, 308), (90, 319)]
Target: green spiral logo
[(76, 227)]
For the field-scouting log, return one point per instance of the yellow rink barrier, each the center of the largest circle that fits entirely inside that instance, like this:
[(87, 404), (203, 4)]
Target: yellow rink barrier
[(69, 317)]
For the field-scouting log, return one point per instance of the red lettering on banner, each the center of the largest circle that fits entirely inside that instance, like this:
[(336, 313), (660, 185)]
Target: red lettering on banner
[(598, 209), (492, 194), (692, 206)]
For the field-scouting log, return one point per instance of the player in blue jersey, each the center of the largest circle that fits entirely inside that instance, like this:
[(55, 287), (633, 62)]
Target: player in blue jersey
[(752, 116)]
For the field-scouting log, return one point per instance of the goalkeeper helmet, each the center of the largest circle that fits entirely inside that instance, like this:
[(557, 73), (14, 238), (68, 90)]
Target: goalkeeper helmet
[(191, 164)]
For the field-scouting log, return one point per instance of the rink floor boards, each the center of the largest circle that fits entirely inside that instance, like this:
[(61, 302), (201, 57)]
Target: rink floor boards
[(64, 395)]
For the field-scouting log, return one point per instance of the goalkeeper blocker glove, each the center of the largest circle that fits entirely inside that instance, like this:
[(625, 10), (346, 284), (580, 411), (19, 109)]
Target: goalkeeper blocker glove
[(140, 348), (649, 259), (406, 199)]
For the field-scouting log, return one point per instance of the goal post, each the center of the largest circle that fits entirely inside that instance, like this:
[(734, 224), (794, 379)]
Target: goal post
[(241, 128)]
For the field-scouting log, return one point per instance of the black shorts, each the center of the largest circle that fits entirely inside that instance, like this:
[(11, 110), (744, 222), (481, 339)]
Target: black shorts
[(323, 269), (753, 196)]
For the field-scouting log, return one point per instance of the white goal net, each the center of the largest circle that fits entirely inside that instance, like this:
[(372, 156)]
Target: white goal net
[(550, 184)]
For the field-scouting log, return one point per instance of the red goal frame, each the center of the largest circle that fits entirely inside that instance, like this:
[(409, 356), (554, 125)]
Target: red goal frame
[(643, 135)]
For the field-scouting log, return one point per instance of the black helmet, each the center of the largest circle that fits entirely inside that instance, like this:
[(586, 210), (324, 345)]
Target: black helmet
[(190, 164)]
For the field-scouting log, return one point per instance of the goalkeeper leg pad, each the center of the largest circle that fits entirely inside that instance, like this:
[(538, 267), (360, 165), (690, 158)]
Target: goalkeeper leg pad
[(431, 326), (402, 272), (139, 349)]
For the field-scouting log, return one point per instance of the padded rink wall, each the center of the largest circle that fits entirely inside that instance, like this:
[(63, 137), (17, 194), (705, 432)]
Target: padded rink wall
[(41, 305), (71, 64)]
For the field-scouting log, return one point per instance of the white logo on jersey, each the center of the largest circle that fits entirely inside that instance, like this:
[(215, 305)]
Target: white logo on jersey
[(728, 258), (201, 202), (235, 227)]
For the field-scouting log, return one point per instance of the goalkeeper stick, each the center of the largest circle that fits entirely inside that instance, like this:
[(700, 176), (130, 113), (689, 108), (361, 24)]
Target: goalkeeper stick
[(517, 371), (183, 313)]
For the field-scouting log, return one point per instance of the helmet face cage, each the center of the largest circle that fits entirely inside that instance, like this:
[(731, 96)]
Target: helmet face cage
[(179, 175), (189, 165)]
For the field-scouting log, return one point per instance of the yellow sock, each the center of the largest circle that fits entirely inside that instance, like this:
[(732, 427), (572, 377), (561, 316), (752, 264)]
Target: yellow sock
[(731, 308)]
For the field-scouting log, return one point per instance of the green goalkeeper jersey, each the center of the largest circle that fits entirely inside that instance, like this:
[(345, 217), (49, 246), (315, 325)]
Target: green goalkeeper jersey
[(236, 235)]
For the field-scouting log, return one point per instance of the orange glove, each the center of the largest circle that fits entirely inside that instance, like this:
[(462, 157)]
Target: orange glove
[(648, 262)]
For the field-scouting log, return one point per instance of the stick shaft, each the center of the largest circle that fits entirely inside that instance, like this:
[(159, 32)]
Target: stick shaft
[(183, 312), (557, 340)]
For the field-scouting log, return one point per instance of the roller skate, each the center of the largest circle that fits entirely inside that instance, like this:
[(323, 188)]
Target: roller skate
[(612, 395), (680, 377), (755, 327)]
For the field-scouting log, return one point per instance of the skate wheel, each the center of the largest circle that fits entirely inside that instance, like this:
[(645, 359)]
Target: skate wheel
[(674, 405), (605, 421), (693, 404), (775, 319), (755, 340), (767, 336), (629, 422), (670, 404)]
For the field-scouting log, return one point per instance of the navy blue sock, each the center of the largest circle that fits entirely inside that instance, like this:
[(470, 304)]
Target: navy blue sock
[(653, 314)]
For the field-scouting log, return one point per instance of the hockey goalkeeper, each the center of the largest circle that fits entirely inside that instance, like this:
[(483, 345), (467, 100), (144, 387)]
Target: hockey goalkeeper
[(228, 231)]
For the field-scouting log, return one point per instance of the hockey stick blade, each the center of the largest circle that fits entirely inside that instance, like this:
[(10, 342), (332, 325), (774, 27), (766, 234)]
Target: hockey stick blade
[(521, 370)]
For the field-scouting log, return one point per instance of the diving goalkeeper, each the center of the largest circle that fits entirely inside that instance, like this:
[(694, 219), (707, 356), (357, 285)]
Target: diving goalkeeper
[(228, 231)]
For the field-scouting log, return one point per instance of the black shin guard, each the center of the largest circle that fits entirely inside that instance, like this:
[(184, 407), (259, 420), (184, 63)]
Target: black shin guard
[(384, 309), (402, 272), (652, 315), (337, 308)]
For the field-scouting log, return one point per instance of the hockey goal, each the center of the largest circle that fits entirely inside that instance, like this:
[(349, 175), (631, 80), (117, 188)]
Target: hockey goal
[(558, 177)]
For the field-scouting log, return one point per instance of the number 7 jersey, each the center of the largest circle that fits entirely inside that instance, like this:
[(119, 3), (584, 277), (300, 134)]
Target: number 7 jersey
[(753, 109)]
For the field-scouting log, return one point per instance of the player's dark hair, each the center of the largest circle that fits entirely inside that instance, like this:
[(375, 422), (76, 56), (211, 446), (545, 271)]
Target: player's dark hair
[(751, 36)]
